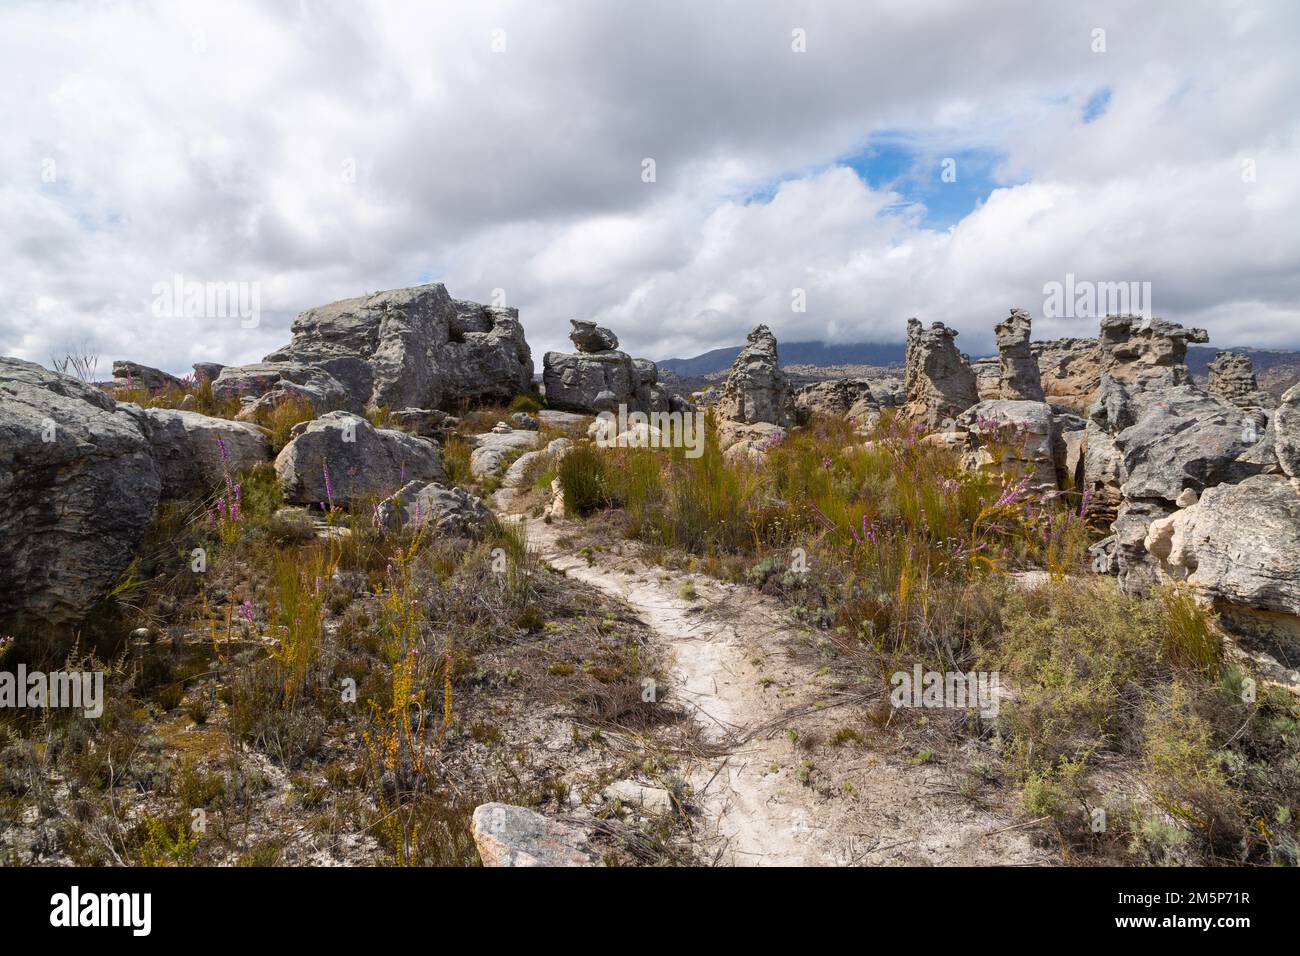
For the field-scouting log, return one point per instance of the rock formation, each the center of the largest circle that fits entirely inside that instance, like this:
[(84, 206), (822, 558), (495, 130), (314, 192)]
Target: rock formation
[(1070, 372), (1286, 428), (193, 452), (340, 458), (507, 835), (849, 397), (129, 375), (599, 378), (939, 382), (1020, 379), (756, 405), (1147, 353), (446, 512), (416, 348), (78, 487), (1232, 378), (1015, 437)]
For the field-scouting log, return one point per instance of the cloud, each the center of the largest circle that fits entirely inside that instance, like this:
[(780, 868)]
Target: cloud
[(327, 150)]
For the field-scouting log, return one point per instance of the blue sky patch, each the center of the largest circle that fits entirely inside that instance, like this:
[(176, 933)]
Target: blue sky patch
[(1096, 105)]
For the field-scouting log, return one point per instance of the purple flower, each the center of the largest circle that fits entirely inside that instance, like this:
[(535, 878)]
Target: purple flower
[(246, 611), (329, 486)]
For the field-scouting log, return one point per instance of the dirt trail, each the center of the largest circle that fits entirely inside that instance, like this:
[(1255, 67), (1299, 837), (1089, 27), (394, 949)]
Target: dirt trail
[(769, 802)]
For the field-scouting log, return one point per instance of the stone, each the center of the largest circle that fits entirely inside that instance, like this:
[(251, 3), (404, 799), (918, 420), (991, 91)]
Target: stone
[(1146, 353), (561, 421), (1070, 372), (756, 390), (129, 375), (363, 462), (1020, 379), (195, 452), (207, 371), (1239, 546), (1232, 378), (635, 795), (78, 488), (850, 398), (1015, 437), (589, 337), (404, 348), (492, 448), (264, 385), (748, 442), (516, 836), (590, 383), (426, 422), (938, 379), (519, 474), (523, 420), (1286, 432), (446, 512)]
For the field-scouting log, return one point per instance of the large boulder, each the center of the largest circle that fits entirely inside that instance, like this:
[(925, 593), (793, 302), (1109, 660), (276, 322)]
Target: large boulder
[(445, 512), (404, 348), (78, 487), (1286, 432), (507, 835), (340, 458), (757, 389), (1146, 353), (590, 337), (491, 449), (938, 379), (264, 385), (1013, 437), (132, 375), (1232, 378), (1070, 372), (194, 452), (848, 397), (1020, 379), (1239, 545)]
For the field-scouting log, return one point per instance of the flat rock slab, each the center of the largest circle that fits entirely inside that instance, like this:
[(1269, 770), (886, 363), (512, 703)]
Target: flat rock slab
[(516, 836), (633, 794), (554, 418), (491, 449)]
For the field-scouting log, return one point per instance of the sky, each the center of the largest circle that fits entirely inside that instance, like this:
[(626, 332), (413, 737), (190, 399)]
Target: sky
[(826, 168)]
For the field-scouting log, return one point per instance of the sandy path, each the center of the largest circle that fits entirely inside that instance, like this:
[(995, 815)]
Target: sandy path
[(768, 802)]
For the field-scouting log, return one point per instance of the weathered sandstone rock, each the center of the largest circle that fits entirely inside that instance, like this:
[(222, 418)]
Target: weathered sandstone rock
[(194, 451), (1232, 378), (1020, 379), (445, 512), (757, 389), (939, 382), (516, 836)]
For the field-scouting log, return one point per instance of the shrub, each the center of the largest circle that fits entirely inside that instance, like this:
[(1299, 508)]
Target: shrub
[(584, 480)]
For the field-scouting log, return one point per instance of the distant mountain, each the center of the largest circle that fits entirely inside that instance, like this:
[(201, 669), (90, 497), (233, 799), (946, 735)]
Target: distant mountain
[(793, 353)]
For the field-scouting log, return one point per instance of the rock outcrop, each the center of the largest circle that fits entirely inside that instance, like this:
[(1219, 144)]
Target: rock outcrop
[(340, 458), (1286, 430), (507, 835), (849, 397), (131, 375), (491, 449), (1020, 379), (1146, 353), (1013, 437), (1239, 546), (78, 488), (939, 382), (444, 512), (405, 348), (757, 389), (194, 452), (599, 379), (1070, 371), (1232, 378)]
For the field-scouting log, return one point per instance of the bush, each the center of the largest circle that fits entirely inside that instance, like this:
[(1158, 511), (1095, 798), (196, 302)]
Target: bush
[(584, 480)]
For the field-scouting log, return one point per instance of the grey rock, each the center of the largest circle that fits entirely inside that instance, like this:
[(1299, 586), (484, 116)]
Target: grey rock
[(1239, 545), (1286, 432), (523, 420), (426, 422), (590, 383), (1013, 437), (207, 371), (492, 449), (516, 836), (1020, 379), (756, 389), (446, 512), (849, 397), (938, 379), (563, 421), (363, 462), (1232, 378), (589, 337), (1070, 371), (1146, 353), (194, 452), (404, 348), (78, 488), (134, 375)]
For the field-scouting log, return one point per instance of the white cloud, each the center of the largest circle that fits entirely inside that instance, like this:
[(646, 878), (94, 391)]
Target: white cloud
[(216, 141)]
